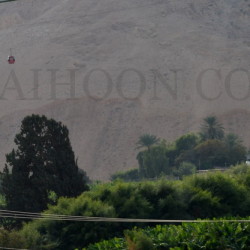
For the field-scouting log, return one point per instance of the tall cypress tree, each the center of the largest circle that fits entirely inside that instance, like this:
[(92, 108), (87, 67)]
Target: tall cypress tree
[(43, 161)]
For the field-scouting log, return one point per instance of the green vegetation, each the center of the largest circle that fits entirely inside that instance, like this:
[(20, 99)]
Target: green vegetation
[(129, 175), (184, 169), (42, 163), (216, 235), (153, 163), (211, 129), (198, 196), (11, 239), (44, 168), (211, 148), (147, 140)]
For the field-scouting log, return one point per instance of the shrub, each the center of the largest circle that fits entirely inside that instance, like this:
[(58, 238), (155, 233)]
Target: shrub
[(11, 239), (200, 196), (202, 235), (129, 175), (185, 168)]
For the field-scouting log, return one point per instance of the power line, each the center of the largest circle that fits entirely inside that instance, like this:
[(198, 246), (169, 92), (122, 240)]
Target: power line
[(5, 1), (58, 217), (3, 248)]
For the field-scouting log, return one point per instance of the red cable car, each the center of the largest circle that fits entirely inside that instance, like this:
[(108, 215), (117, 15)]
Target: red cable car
[(11, 59)]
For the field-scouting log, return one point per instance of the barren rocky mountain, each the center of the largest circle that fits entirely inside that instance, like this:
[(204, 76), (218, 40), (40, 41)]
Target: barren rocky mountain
[(112, 70)]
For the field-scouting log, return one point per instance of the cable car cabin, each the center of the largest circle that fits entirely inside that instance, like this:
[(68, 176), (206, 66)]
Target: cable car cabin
[(11, 59)]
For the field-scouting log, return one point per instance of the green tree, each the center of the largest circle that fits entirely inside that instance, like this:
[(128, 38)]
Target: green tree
[(185, 148), (232, 140), (187, 142), (153, 163), (236, 150), (211, 153), (43, 161), (212, 129), (147, 140)]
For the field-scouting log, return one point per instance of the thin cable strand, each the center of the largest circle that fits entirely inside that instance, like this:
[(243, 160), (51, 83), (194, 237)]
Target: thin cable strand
[(59, 217)]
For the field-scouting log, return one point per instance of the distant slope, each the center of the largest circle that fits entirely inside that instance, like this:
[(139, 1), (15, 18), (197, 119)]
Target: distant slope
[(161, 67)]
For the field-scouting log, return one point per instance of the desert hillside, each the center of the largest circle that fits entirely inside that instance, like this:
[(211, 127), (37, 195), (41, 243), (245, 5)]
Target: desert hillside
[(130, 67)]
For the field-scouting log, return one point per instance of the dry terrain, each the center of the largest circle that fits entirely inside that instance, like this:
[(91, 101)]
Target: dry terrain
[(135, 66)]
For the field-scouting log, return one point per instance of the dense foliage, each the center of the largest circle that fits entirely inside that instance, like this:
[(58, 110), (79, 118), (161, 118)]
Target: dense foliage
[(212, 129), (42, 162), (199, 196), (128, 175), (154, 162), (211, 236), (185, 156), (147, 141)]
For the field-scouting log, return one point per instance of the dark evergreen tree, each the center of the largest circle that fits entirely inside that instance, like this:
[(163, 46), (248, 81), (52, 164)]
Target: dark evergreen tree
[(43, 161)]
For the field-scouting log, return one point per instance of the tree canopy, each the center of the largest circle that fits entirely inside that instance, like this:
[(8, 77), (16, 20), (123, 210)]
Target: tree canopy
[(147, 140), (212, 129), (42, 162)]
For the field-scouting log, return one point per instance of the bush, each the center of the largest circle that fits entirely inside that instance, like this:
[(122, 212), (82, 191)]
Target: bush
[(199, 196), (47, 234), (217, 235), (137, 240), (11, 239), (232, 195), (129, 175), (185, 168)]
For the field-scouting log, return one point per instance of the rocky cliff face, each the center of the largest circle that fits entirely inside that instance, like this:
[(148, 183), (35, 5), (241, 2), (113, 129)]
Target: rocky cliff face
[(130, 67)]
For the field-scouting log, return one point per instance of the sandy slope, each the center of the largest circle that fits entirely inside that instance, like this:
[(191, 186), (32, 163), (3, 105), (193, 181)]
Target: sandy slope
[(127, 52)]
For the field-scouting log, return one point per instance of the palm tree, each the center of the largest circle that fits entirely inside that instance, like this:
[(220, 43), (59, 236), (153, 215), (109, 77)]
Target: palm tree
[(212, 129), (147, 140)]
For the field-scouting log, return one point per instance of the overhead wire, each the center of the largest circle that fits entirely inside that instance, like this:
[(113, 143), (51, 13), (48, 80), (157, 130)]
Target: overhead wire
[(60, 217), (11, 248), (5, 1)]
